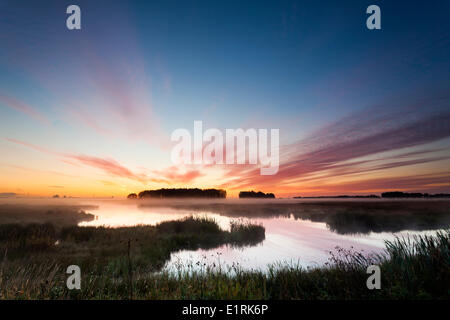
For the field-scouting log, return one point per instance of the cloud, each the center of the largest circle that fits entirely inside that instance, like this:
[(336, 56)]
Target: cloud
[(108, 183), (21, 106), (107, 165), (173, 175), (42, 171), (32, 146), (372, 140), (114, 168), (110, 166), (431, 183), (350, 145), (108, 91)]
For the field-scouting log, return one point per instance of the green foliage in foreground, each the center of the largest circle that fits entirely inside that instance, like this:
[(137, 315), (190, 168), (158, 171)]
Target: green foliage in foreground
[(411, 268)]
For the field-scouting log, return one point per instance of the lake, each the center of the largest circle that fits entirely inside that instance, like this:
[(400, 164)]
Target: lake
[(300, 232)]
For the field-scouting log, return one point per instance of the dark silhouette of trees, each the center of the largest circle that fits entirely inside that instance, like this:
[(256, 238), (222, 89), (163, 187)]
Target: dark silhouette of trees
[(132, 196), (437, 195), (183, 193), (399, 194), (253, 194), (371, 196)]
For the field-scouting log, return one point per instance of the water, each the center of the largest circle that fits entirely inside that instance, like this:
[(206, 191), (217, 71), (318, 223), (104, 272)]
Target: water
[(294, 233)]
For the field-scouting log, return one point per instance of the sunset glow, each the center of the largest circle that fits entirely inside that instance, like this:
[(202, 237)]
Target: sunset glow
[(90, 113)]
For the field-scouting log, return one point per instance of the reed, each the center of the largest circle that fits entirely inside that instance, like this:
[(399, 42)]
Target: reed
[(411, 268)]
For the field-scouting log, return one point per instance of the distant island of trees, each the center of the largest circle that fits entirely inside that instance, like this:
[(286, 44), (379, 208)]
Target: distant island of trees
[(391, 194), (399, 194), (221, 194), (194, 193), (179, 193), (372, 196), (253, 194)]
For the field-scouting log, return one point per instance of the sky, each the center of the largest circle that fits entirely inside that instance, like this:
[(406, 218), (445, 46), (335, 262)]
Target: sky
[(90, 112)]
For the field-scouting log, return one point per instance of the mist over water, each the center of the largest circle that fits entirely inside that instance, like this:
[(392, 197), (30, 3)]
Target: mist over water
[(299, 232)]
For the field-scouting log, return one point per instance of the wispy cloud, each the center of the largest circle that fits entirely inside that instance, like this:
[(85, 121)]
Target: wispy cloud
[(107, 165), (112, 167), (366, 142), (32, 146), (108, 183), (109, 90), (22, 107), (175, 175), (350, 145), (40, 171)]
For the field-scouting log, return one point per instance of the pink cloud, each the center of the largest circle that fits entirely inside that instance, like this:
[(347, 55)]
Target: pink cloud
[(32, 146), (21, 106), (110, 166), (332, 150), (173, 175), (114, 168)]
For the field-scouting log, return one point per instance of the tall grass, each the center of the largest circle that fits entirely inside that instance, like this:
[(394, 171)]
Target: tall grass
[(423, 262), (411, 268), (246, 233)]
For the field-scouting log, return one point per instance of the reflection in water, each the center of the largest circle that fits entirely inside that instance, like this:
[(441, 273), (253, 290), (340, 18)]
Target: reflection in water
[(120, 214), (344, 217), (297, 232), (289, 240)]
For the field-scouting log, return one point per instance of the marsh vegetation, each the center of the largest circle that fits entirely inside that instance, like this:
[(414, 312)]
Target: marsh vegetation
[(343, 217), (127, 262)]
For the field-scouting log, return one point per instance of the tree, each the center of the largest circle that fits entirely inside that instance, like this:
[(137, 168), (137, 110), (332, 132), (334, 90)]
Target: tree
[(183, 193), (253, 194)]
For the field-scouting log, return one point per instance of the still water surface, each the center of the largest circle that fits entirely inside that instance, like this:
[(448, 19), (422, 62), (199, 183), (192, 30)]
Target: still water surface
[(287, 238)]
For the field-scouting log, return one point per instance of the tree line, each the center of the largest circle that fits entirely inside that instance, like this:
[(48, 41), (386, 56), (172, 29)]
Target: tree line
[(179, 193)]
